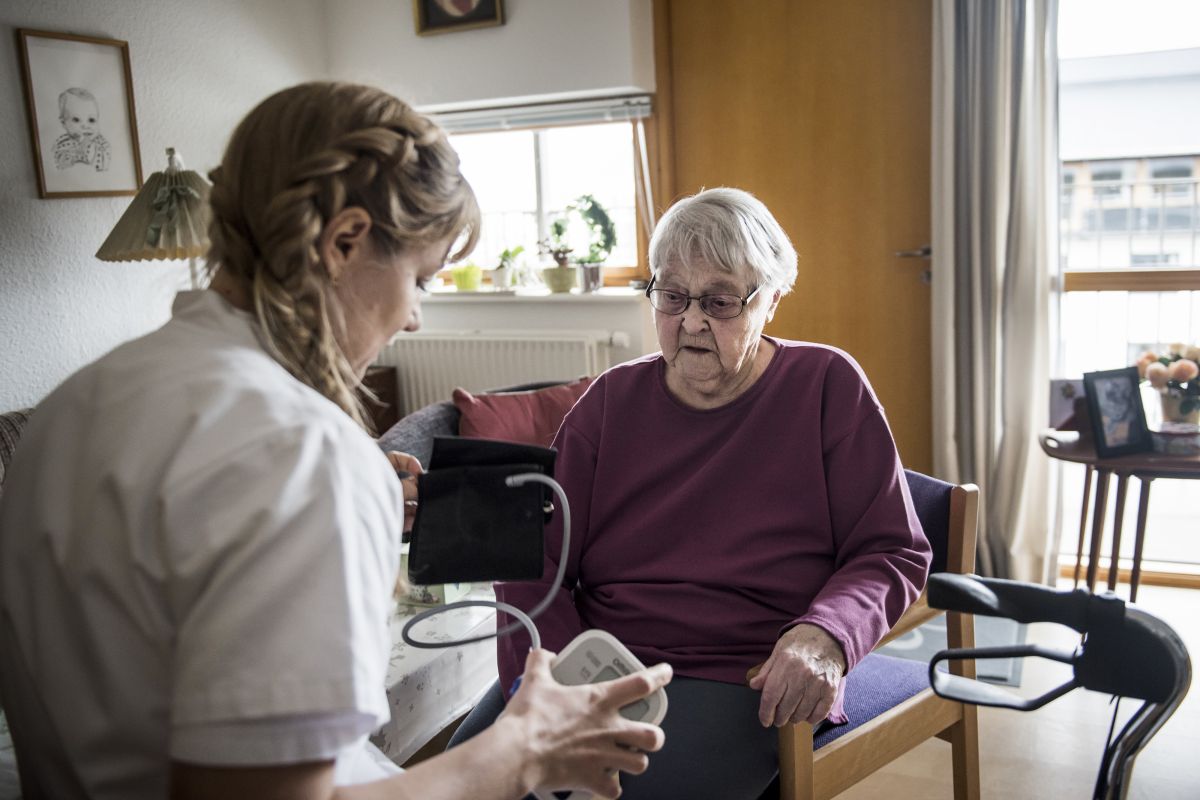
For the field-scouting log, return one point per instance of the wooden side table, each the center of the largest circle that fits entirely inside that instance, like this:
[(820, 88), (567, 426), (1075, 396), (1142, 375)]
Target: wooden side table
[(1146, 467)]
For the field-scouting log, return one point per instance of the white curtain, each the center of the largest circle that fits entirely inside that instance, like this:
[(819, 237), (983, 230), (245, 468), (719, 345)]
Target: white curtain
[(995, 167)]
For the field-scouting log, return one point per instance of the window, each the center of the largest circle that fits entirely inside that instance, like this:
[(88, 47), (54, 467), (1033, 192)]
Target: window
[(529, 164), (1172, 177), (1108, 179), (1130, 224)]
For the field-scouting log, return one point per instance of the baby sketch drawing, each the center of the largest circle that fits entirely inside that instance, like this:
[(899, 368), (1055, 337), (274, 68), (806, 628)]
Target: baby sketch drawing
[(79, 114)]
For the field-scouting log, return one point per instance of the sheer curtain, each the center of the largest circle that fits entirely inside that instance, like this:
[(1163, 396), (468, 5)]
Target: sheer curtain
[(995, 166)]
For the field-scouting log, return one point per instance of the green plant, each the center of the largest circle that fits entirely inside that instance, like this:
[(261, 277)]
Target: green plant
[(603, 232), (508, 257), (556, 244)]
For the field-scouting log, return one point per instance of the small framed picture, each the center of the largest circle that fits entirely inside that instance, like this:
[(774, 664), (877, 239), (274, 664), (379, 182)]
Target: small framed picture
[(79, 99), (445, 16), (1066, 399), (1117, 416)]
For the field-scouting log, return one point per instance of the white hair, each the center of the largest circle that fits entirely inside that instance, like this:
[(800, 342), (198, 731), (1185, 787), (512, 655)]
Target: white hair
[(729, 229)]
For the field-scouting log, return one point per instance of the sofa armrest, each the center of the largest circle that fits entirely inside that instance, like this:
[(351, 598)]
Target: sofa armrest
[(414, 433)]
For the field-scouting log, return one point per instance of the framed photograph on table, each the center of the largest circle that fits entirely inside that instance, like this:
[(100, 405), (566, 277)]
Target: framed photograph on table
[(446, 16), (1117, 416), (79, 100)]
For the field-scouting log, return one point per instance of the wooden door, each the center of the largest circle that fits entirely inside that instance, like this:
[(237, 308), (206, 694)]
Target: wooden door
[(822, 109)]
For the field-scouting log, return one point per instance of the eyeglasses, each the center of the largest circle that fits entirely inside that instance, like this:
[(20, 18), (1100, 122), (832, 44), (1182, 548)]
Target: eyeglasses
[(717, 306)]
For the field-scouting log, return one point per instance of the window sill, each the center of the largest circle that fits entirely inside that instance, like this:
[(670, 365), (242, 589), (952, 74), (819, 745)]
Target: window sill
[(605, 295)]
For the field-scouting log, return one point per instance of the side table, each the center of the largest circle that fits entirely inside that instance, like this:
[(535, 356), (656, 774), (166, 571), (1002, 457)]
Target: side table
[(1146, 467)]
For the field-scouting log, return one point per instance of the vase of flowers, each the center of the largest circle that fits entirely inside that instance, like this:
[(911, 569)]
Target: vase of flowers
[(1174, 375)]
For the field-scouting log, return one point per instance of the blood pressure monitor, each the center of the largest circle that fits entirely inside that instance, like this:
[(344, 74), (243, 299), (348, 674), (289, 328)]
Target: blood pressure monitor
[(596, 656)]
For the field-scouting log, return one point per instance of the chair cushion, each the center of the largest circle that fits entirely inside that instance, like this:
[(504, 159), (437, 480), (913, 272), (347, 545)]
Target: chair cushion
[(876, 684), (526, 417)]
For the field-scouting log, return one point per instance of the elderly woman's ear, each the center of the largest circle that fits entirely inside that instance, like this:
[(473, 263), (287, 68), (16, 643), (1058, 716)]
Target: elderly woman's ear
[(774, 304)]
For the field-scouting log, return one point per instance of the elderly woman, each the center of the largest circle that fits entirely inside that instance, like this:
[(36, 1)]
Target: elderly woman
[(739, 500), (199, 541)]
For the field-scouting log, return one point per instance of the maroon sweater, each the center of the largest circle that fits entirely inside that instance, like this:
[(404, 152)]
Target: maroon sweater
[(698, 537)]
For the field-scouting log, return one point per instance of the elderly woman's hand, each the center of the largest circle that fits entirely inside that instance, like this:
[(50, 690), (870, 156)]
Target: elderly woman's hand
[(407, 468), (800, 679)]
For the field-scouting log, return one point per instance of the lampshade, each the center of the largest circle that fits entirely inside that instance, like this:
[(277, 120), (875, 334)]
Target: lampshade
[(167, 220)]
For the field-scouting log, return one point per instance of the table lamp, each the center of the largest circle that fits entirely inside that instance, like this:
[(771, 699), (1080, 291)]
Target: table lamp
[(167, 220)]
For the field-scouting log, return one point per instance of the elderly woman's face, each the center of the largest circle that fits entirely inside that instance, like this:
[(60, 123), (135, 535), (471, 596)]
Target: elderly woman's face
[(710, 359)]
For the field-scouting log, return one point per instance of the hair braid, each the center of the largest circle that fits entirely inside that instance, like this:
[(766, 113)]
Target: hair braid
[(277, 189)]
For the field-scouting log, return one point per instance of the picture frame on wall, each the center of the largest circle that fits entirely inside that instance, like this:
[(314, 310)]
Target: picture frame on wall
[(447, 16), (82, 123), (1118, 418)]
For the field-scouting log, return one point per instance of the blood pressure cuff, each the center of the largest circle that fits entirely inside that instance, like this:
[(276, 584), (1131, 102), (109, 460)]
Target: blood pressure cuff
[(470, 525)]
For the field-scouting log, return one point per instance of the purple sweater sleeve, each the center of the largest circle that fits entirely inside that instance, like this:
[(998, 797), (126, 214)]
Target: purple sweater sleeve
[(883, 556), (560, 622)]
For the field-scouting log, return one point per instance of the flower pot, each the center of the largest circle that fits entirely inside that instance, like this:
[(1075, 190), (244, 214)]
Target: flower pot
[(592, 277), (559, 279), (1172, 411)]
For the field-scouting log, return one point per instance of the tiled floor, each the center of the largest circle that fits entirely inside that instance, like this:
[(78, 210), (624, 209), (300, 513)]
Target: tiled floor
[(1055, 752)]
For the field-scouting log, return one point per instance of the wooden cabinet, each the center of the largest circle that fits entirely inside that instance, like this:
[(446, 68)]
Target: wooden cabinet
[(384, 410)]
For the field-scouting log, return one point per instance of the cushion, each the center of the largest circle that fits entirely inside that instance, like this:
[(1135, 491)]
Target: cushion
[(527, 417), (876, 683)]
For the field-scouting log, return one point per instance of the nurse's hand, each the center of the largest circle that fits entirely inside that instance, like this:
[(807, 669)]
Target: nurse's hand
[(408, 468), (576, 739), (799, 681)]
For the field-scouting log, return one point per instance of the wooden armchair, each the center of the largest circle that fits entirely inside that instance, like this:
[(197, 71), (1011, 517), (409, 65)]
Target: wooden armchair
[(889, 702)]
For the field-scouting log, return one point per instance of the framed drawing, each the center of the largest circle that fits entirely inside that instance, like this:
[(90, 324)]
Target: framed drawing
[(445, 16), (79, 98), (1117, 416)]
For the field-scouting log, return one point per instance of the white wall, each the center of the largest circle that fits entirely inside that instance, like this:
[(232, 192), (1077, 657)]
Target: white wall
[(198, 67), (547, 49)]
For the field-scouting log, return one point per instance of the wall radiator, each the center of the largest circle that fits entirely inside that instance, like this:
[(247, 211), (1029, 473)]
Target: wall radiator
[(430, 364)]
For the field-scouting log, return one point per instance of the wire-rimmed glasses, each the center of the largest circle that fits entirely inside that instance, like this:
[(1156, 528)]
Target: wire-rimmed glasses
[(717, 306)]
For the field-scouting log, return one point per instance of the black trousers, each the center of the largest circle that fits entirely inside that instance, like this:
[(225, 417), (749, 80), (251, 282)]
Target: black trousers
[(715, 750)]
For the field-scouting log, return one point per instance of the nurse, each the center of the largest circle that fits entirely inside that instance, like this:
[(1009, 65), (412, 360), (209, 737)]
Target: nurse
[(198, 541)]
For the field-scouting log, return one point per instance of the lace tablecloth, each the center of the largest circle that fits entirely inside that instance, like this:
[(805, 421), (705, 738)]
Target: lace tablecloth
[(429, 689)]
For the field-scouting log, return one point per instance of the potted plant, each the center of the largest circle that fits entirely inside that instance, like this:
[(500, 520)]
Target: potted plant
[(601, 240), (1175, 375), (502, 275), (561, 277), (591, 220), (467, 276)]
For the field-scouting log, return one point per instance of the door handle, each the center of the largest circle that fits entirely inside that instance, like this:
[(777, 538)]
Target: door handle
[(926, 252), (921, 252)]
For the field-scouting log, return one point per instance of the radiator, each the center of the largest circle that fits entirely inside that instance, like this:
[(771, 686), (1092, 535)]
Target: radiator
[(430, 364)]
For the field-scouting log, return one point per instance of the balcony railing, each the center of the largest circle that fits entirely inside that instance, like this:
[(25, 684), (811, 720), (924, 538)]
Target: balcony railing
[(1116, 224)]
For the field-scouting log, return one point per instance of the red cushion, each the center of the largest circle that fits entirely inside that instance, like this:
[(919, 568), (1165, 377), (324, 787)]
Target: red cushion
[(526, 417)]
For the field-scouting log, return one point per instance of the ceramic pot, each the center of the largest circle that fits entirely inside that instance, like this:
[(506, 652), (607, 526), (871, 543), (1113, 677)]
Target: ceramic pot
[(559, 279), (1171, 411)]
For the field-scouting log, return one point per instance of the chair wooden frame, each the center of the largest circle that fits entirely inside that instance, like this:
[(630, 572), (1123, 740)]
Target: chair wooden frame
[(808, 775)]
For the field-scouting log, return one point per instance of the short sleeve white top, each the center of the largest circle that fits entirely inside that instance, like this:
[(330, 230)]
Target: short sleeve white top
[(197, 557)]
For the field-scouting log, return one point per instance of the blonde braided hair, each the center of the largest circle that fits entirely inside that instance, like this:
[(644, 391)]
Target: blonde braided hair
[(296, 161)]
